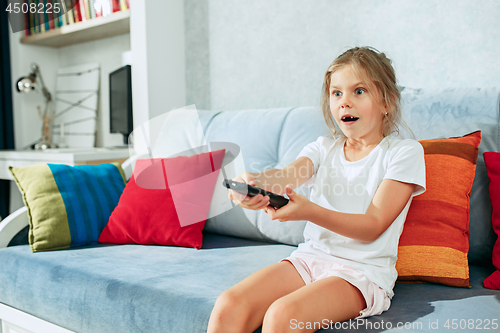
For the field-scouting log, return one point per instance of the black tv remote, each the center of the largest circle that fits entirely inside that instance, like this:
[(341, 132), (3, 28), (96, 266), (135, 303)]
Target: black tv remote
[(275, 201)]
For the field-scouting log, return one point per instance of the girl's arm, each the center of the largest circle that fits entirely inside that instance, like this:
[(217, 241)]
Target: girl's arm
[(388, 202), (293, 175), (274, 180)]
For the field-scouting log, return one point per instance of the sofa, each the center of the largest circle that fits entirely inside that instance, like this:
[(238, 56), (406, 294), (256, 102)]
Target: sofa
[(149, 288)]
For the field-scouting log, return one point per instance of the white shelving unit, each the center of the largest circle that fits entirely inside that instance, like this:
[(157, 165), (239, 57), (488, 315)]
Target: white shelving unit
[(101, 27)]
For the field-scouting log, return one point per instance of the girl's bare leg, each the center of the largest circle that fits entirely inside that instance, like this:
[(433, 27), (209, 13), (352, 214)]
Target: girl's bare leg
[(242, 307), (327, 301)]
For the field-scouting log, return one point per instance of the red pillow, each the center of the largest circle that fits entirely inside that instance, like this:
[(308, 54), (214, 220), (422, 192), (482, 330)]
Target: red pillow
[(492, 161), (166, 202)]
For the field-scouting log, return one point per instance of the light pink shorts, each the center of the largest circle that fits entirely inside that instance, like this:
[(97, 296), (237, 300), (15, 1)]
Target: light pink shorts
[(313, 268)]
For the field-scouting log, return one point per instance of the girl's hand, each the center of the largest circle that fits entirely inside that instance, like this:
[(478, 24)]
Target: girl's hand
[(295, 209), (254, 203)]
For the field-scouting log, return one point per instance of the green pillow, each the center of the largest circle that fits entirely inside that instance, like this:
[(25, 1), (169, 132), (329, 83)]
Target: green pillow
[(68, 205)]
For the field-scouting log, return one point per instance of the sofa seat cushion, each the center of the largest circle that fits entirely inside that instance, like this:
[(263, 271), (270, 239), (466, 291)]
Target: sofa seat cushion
[(130, 288), (137, 288), (424, 304)]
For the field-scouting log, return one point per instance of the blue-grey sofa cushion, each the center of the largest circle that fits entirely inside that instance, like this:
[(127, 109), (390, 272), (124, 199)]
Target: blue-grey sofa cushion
[(268, 139), (130, 288), (137, 288), (428, 308)]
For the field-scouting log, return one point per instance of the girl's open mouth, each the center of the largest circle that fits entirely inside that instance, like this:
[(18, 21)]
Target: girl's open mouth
[(348, 119)]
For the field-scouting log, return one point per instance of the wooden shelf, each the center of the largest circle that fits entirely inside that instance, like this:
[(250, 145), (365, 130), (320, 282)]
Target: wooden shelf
[(112, 25)]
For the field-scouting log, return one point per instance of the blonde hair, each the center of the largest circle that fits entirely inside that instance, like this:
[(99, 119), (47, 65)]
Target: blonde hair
[(377, 71)]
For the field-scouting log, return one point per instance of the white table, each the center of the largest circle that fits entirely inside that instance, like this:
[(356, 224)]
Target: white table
[(69, 156)]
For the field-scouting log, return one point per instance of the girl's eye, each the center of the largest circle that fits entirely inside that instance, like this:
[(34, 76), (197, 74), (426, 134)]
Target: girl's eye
[(360, 91), (337, 93)]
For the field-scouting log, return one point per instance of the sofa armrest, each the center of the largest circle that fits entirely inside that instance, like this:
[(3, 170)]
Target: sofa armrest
[(12, 224)]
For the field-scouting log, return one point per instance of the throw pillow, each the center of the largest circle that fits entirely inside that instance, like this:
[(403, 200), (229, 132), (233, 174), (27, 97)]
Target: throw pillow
[(492, 161), (435, 240), (166, 202), (68, 205)]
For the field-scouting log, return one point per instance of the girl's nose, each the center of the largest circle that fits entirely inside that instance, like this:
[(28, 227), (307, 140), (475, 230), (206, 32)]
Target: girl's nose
[(345, 104)]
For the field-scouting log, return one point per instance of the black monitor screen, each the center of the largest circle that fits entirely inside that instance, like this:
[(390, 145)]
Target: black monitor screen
[(120, 102)]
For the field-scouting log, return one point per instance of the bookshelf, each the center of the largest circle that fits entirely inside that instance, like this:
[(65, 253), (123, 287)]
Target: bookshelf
[(101, 27)]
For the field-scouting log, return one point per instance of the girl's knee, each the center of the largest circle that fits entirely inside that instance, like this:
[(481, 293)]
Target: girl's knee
[(227, 299), (229, 312), (280, 316), (227, 302)]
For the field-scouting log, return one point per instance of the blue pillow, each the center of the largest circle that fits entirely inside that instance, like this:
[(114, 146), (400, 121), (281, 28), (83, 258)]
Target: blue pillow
[(68, 205)]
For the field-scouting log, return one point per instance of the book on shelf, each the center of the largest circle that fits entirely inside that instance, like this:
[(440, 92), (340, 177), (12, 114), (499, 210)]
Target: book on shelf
[(50, 15), (32, 20), (92, 8), (115, 4), (41, 15), (72, 12), (76, 11), (123, 5), (68, 9), (36, 19), (83, 10), (46, 15), (27, 24)]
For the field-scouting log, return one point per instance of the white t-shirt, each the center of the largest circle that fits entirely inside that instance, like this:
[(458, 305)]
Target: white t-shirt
[(349, 187)]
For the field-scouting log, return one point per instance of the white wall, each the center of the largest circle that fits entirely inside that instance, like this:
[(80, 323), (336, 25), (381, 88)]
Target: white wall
[(273, 53), (159, 71)]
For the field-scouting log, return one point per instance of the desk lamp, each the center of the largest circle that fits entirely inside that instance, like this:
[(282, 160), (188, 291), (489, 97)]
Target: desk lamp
[(29, 83)]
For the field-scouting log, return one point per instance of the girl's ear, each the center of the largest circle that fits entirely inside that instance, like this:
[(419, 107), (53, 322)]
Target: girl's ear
[(387, 108)]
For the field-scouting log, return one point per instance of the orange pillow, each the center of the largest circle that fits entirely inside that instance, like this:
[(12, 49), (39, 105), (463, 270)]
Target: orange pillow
[(435, 240)]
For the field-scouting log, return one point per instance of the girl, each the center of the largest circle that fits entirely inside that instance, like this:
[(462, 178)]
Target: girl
[(363, 180)]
